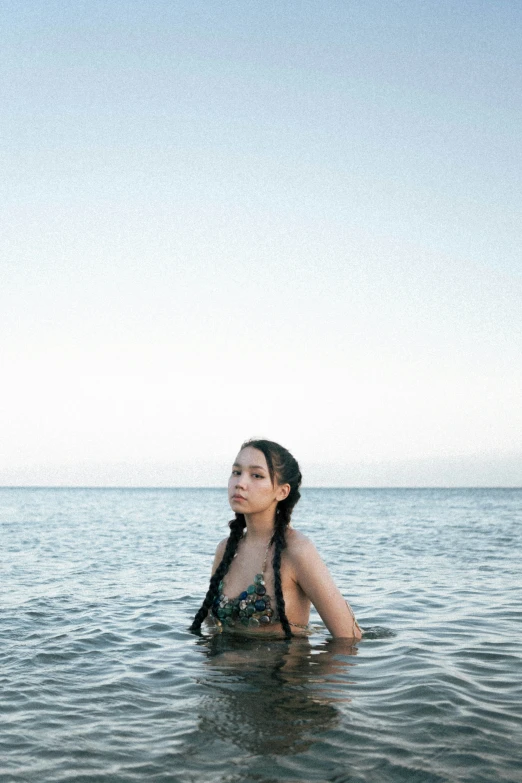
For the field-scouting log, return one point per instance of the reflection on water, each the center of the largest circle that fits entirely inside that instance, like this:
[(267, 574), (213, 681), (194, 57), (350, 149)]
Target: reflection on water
[(273, 696)]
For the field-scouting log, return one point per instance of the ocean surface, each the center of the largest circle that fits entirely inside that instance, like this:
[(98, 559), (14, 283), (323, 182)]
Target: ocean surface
[(101, 681)]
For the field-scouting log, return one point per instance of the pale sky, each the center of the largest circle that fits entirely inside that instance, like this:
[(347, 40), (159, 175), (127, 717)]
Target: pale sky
[(298, 220)]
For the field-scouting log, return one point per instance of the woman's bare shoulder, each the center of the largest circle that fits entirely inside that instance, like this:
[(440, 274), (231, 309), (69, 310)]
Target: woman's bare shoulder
[(298, 545), (220, 549)]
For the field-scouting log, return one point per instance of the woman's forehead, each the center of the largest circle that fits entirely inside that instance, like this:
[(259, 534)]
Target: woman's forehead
[(251, 457)]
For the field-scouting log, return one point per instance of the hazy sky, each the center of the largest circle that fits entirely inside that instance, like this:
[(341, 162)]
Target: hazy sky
[(300, 220)]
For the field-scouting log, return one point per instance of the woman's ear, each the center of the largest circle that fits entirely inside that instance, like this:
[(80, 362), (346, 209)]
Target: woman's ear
[(283, 491)]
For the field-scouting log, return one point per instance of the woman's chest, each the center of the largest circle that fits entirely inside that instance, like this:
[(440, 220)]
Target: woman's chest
[(247, 574)]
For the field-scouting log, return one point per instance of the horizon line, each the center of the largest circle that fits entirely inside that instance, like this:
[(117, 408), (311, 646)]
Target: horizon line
[(223, 488)]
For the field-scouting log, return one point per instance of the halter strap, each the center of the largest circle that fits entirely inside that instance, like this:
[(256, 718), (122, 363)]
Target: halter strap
[(263, 569)]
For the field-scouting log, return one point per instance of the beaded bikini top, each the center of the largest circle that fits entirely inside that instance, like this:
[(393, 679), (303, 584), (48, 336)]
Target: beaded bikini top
[(251, 608)]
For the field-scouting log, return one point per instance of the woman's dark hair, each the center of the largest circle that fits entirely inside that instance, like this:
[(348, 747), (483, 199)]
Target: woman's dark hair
[(284, 469)]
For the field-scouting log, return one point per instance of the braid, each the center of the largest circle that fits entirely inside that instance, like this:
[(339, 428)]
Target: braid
[(237, 526), (279, 539)]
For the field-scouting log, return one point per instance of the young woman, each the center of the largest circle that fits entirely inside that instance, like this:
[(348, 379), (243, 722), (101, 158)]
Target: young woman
[(266, 575)]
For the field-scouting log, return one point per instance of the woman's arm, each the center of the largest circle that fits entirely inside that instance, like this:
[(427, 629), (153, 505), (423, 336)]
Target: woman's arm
[(209, 619), (315, 580), (220, 551)]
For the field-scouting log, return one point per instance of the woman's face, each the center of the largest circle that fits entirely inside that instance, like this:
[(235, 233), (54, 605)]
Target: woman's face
[(250, 488)]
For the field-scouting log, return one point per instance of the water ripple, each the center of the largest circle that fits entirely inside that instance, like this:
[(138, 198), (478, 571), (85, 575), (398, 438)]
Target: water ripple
[(100, 680)]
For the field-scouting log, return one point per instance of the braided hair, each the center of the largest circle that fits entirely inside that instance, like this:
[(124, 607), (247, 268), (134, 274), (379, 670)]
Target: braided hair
[(284, 468), (237, 526)]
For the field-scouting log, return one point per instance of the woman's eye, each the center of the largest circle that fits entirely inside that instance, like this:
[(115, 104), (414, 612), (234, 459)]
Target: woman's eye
[(257, 475), (235, 472)]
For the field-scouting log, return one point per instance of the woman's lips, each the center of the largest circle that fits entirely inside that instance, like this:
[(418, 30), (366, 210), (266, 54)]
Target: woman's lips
[(238, 497)]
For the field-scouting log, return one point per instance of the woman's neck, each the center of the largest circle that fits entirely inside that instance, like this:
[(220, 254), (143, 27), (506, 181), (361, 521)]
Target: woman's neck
[(259, 527)]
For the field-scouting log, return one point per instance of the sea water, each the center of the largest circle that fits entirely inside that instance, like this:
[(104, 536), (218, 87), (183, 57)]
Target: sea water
[(100, 679)]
